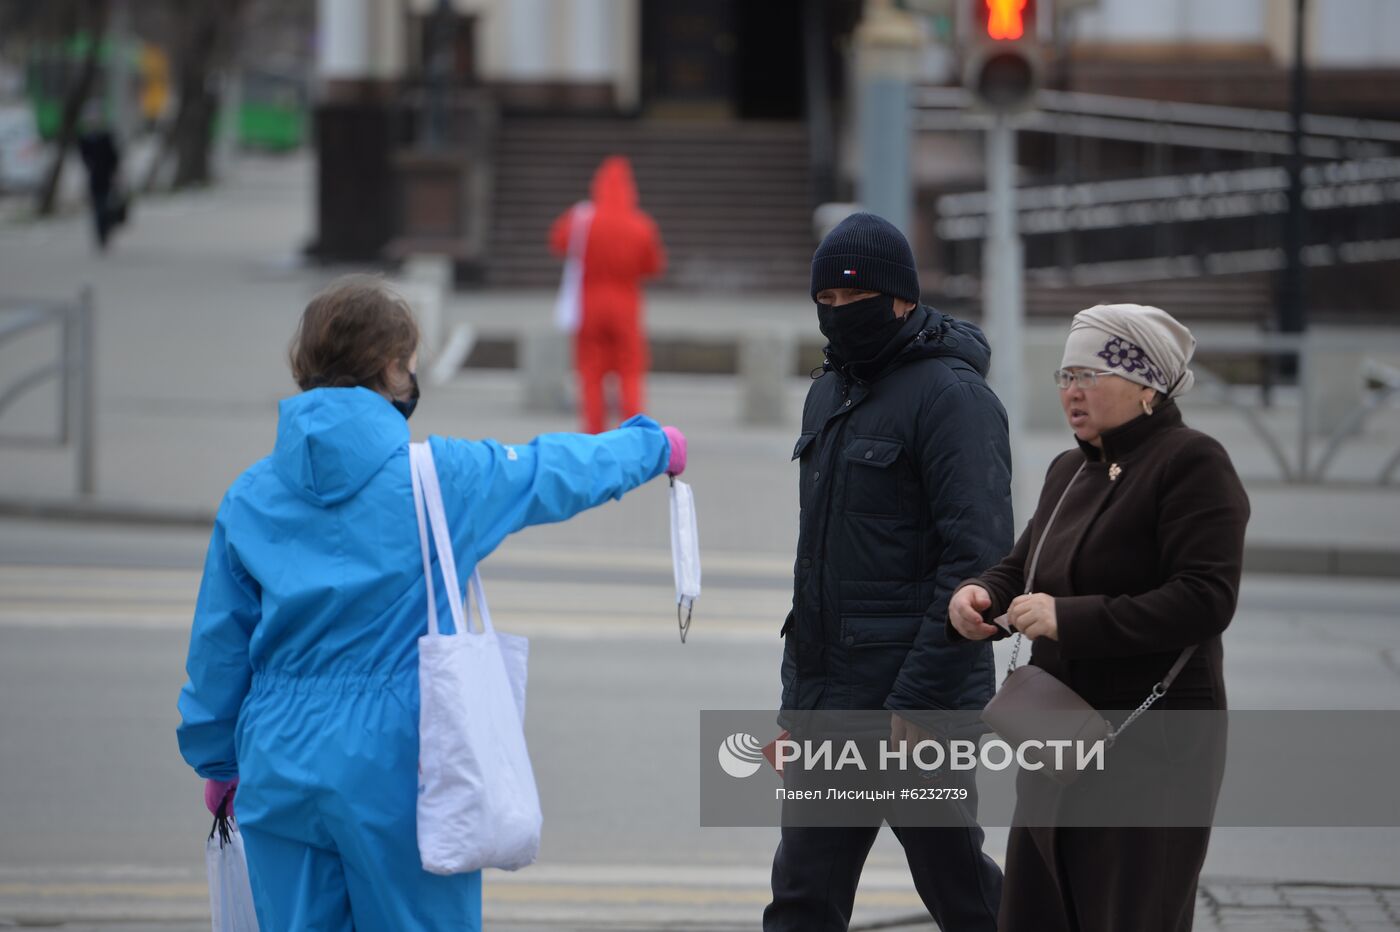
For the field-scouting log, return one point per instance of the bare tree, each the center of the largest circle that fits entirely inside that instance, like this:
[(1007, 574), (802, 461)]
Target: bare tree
[(93, 15), (206, 34)]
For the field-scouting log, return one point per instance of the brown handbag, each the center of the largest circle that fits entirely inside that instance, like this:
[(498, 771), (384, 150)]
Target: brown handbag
[(1033, 705)]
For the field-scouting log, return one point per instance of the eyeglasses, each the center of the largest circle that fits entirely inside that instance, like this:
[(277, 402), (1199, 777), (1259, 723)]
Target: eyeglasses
[(1087, 378)]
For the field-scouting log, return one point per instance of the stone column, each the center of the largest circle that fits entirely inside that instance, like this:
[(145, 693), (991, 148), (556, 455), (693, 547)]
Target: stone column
[(887, 44), (359, 63)]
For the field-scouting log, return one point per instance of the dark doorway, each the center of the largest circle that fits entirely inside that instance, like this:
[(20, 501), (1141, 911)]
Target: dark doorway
[(688, 52), (723, 59), (770, 60)]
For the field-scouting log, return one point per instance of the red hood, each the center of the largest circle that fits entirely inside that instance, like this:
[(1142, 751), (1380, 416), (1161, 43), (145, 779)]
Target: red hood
[(613, 187)]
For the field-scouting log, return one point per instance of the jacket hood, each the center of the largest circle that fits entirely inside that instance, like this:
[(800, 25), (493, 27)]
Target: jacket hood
[(926, 333), (948, 336), (331, 441), (613, 187)]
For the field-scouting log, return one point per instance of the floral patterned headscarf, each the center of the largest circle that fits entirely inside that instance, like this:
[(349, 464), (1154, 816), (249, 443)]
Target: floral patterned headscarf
[(1143, 344)]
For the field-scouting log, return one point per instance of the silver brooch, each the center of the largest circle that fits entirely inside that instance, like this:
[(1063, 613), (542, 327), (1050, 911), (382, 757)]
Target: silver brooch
[(1114, 471)]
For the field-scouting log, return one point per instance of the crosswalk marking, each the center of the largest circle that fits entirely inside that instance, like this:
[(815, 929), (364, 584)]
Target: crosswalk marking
[(65, 597), (618, 891)]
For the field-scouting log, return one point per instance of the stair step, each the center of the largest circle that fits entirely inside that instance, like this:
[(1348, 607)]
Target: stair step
[(738, 229), (731, 201), (652, 131), (674, 184)]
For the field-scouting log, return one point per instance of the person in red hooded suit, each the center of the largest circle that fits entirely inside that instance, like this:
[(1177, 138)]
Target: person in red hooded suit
[(623, 247)]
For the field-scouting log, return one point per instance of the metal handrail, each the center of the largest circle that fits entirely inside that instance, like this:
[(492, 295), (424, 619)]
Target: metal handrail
[(25, 383), (1158, 112), (1305, 470), (1248, 181), (1389, 379), (1221, 390), (1170, 134), (73, 370), (1234, 262)]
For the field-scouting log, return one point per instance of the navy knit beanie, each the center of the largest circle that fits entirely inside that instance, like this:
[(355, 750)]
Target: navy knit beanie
[(867, 253)]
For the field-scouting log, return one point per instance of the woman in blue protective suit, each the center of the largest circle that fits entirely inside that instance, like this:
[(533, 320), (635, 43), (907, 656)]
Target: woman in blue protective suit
[(303, 661)]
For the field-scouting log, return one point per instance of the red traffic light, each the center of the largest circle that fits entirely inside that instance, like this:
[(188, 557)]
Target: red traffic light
[(1004, 20), (1002, 66)]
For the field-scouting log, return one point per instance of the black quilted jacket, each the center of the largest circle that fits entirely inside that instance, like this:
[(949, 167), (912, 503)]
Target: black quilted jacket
[(905, 492)]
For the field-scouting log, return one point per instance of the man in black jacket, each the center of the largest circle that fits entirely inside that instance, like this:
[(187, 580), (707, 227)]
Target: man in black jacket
[(905, 492)]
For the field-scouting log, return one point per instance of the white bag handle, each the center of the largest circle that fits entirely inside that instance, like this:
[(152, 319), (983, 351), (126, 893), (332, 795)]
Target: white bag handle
[(568, 312), (578, 229), (428, 492)]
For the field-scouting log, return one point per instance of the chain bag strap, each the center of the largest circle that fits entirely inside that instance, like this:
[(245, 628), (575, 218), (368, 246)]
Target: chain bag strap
[(1035, 558), (1159, 690)]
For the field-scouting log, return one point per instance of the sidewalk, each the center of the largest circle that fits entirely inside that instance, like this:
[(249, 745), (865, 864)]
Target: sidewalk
[(1226, 906), (197, 301), (1221, 906)]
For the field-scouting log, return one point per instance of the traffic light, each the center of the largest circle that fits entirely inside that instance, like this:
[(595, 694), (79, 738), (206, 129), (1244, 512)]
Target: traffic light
[(1003, 62)]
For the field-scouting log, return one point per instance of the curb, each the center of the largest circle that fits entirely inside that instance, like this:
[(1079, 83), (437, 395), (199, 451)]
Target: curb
[(80, 511), (671, 353), (1363, 562)]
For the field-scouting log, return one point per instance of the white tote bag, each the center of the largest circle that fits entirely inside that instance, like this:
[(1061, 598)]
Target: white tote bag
[(568, 304), (230, 893), (477, 802)]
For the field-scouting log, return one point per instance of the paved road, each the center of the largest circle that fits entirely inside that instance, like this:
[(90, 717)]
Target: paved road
[(99, 818)]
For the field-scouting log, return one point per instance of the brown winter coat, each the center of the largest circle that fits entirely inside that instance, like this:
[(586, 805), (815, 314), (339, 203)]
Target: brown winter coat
[(1143, 560)]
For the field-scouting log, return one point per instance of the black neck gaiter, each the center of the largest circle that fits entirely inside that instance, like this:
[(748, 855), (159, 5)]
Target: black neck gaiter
[(860, 330)]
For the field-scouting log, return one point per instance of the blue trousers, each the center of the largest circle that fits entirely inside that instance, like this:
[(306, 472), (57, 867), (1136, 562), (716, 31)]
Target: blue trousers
[(327, 804), (299, 886)]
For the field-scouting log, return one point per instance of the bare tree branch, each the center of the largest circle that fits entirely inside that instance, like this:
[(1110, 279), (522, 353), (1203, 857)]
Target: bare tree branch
[(73, 106), (208, 33)]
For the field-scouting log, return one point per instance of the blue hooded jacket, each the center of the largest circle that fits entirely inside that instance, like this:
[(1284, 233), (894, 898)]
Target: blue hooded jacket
[(313, 578)]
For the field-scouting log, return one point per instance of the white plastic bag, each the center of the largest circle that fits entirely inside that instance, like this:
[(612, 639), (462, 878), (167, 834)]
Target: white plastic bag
[(230, 893), (477, 801), (568, 304), (685, 553)]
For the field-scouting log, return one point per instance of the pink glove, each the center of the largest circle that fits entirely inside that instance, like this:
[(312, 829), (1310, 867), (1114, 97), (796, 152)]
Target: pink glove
[(216, 790), (676, 466)]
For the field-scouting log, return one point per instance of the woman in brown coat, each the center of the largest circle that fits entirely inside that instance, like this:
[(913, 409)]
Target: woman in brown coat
[(1141, 562)]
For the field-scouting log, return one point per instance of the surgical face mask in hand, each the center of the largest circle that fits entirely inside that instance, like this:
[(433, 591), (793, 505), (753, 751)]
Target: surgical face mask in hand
[(685, 553)]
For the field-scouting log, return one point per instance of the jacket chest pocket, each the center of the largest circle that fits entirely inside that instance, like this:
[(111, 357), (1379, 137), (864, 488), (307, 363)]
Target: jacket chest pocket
[(872, 477)]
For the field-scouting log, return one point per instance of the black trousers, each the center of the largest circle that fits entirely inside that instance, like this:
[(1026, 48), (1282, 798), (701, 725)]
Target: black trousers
[(816, 870), (99, 204)]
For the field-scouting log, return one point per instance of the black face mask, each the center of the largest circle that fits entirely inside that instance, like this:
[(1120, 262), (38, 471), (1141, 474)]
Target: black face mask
[(860, 330), (406, 407)]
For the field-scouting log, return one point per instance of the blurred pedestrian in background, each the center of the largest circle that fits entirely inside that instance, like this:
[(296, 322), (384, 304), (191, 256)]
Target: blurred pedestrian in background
[(1139, 575), (102, 158), (905, 488), (303, 660), (617, 246)]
